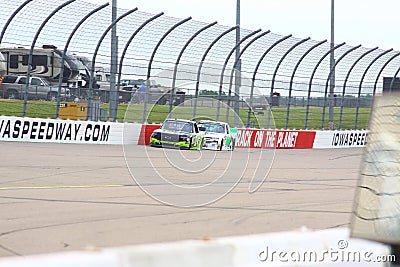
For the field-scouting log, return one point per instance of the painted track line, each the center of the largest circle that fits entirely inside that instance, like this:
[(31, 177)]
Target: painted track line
[(61, 186)]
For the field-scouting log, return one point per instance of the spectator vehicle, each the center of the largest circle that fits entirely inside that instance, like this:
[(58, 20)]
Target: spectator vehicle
[(46, 62), (178, 133), (3, 67), (218, 135), (13, 87)]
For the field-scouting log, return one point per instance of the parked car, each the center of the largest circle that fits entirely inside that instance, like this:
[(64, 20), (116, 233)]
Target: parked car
[(132, 82), (178, 133), (218, 135), (13, 87)]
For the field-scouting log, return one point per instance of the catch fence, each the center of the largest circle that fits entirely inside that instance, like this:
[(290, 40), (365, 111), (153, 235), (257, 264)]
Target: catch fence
[(145, 67)]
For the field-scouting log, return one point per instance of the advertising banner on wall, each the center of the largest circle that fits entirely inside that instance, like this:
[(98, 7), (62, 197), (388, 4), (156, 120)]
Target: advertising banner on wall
[(90, 132), (256, 138), (341, 139), (65, 131)]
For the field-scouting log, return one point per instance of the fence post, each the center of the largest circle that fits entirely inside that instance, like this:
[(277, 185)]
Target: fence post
[(12, 17), (254, 78), (94, 59), (60, 79), (369, 66), (128, 44), (235, 68), (180, 56), (311, 79), (291, 79), (344, 87), (381, 70), (280, 62), (201, 66), (224, 67), (150, 64), (28, 74), (327, 82)]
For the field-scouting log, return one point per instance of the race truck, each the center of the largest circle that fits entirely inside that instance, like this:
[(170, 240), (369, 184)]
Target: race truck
[(178, 133), (218, 135)]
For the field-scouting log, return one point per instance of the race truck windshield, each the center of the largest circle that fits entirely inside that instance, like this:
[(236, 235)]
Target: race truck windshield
[(177, 126), (213, 127)]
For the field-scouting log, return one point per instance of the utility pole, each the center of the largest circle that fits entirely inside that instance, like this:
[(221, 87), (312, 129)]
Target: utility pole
[(113, 65), (238, 68), (332, 65)]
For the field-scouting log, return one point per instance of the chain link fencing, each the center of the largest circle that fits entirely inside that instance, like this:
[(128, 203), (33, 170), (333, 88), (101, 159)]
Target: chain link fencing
[(165, 62)]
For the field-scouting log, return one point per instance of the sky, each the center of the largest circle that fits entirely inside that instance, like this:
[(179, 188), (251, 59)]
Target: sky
[(366, 22)]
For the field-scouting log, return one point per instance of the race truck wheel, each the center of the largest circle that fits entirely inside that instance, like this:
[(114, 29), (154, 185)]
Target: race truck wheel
[(202, 143), (193, 143)]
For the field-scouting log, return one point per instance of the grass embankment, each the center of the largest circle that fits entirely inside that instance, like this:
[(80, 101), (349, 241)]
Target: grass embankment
[(157, 114)]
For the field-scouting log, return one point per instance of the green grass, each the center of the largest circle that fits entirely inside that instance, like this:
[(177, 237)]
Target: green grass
[(157, 114), (34, 109), (297, 116)]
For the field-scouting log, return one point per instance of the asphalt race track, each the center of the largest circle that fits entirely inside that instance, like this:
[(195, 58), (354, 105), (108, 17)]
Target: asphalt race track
[(62, 197)]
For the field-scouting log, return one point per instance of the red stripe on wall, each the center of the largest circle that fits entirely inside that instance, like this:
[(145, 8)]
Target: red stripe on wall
[(145, 133)]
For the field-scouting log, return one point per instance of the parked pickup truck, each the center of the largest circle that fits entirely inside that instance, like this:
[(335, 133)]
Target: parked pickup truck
[(13, 87)]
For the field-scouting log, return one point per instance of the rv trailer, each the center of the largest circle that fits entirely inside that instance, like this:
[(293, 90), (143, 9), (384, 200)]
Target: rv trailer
[(2, 66), (46, 62)]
